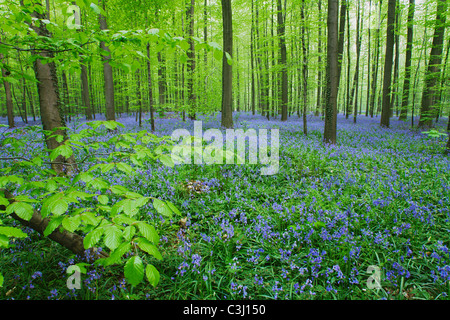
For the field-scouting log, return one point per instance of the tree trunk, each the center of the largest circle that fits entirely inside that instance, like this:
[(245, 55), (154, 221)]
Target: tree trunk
[(161, 79), (49, 102), (69, 240), (376, 57), (409, 47), (340, 53), (354, 94), (252, 62), (9, 103), (281, 31), (319, 62), (150, 90), (332, 74), (107, 72), (427, 111), (389, 56), (227, 75), (191, 61), (304, 68)]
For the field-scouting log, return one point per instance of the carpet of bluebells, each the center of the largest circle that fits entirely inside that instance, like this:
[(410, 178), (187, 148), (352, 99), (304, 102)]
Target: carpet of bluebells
[(380, 198)]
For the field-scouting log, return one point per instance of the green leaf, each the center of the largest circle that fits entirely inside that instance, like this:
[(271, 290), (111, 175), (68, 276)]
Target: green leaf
[(63, 150), (162, 208), (134, 270), (117, 254), (106, 167), (129, 232), (126, 168), (12, 232), (148, 232), (71, 223), (21, 209), (58, 207), (112, 237), (93, 237), (118, 189), (148, 247), (103, 199), (173, 208), (152, 275), (167, 160), (4, 241), (52, 225), (1, 280)]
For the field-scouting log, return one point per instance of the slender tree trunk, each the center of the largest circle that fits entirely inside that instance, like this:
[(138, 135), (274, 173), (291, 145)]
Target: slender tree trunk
[(252, 62), (191, 61), (389, 56), (354, 94), (9, 103), (409, 47), (319, 62), (368, 61), (330, 129), (281, 31), (66, 97), (347, 101), (304, 68), (395, 86), (376, 57), (427, 111), (138, 95), (85, 91), (150, 89), (342, 18), (227, 73), (107, 72), (161, 79)]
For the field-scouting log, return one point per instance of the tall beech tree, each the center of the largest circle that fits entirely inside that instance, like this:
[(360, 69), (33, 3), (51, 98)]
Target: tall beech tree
[(428, 109), (107, 70), (388, 62), (8, 95), (281, 31), (190, 10), (408, 56), (227, 69), (332, 77)]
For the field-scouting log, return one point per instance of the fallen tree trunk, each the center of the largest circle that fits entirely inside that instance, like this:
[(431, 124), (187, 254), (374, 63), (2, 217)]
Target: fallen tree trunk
[(69, 240)]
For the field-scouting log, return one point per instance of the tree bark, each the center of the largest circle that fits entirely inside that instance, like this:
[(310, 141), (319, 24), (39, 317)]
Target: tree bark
[(150, 89), (376, 57), (389, 56), (354, 94), (107, 72), (319, 58), (191, 61), (340, 53), (9, 103), (281, 31), (49, 102), (332, 74), (409, 47), (427, 111), (304, 68), (227, 71), (69, 240)]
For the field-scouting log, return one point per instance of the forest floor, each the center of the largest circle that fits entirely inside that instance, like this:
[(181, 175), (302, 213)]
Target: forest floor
[(378, 200)]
